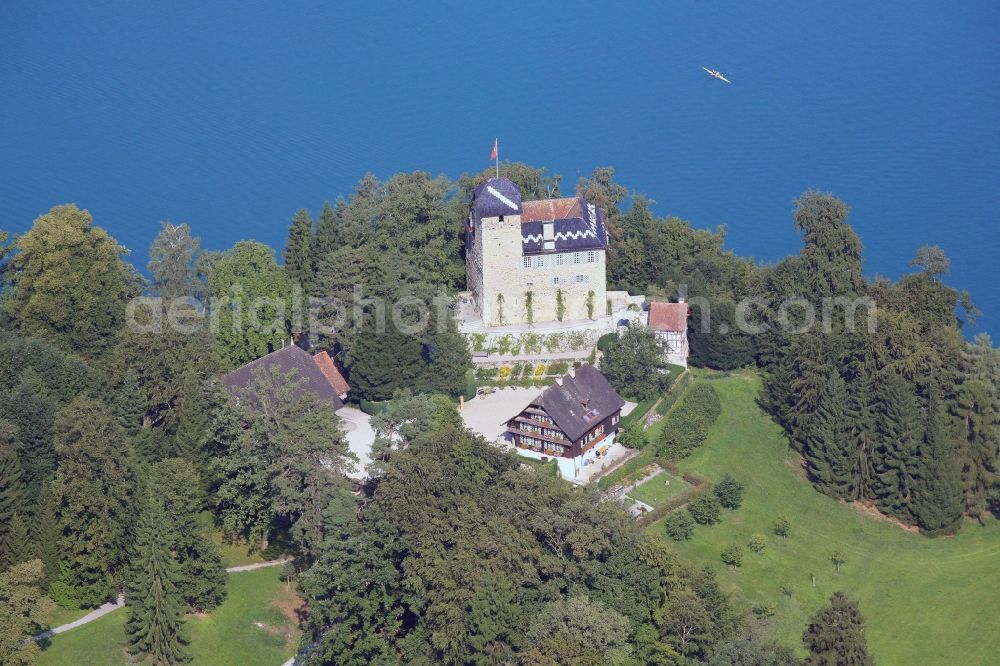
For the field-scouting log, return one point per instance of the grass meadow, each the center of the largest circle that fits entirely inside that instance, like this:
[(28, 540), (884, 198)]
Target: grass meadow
[(926, 601)]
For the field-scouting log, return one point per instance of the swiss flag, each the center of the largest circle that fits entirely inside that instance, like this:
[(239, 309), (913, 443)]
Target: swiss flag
[(493, 155)]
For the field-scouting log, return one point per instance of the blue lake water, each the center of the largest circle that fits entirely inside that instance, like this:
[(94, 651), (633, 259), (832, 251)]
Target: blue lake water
[(230, 116)]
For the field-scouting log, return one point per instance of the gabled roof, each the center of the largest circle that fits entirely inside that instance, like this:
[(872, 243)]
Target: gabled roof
[(576, 226), (668, 317), (332, 374), (581, 400), (287, 360), (496, 197)]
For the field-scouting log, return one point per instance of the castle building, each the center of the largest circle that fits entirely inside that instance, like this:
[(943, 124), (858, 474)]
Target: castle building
[(534, 261)]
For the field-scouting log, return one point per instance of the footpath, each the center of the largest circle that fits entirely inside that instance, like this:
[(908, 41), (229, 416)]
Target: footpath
[(118, 603)]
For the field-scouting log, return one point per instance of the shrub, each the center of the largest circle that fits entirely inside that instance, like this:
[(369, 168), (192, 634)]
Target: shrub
[(486, 374), (757, 543), (730, 492), (554, 342), (558, 368), (782, 527), (733, 556), (470, 385), (504, 343), (504, 373), (706, 510), (604, 342), (632, 436), (764, 610), (680, 526), (576, 340), (532, 343), (373, 407), (63, 593), (478, 341), (540, 371)]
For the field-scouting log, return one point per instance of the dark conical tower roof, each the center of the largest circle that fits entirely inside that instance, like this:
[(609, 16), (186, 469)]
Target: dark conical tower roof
[(496, 197)]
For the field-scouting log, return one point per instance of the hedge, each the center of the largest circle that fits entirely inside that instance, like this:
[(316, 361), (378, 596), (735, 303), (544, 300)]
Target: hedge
[(373, 407), (631, 468), (686, 427), (673, 393), (470, 384), (673, 503), (639, 413)]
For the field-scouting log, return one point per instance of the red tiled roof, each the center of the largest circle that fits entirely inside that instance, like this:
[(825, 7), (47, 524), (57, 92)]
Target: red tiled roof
[(332, 374), (551, 209), (668, 316)]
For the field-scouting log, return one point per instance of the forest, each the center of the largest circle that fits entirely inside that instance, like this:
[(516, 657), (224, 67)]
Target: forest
[(116, 439)]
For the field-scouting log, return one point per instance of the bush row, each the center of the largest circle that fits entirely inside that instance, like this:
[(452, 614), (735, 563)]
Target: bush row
[(687, 426), (674, 502), (530, 343), (673, 394)]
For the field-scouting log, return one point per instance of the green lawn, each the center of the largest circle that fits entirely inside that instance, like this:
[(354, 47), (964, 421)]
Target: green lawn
[(233, 554), (254, 625), (59, 615), (656, 491), (926, 601)]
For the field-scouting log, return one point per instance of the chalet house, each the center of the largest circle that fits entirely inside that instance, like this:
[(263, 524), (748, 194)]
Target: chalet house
[(670, 322), (574, 421), (546, 256), (317, 374)]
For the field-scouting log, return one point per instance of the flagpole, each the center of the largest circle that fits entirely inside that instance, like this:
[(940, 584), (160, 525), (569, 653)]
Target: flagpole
[(496, 142)]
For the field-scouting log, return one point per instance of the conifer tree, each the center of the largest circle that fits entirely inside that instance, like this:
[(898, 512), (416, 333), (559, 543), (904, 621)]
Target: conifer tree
[(937, 494), (45, 534), (862, 433), (154, 625), (15, 546), (94, 488), (298, 250), (27, 432), (898, 430), (12, 490), (127, 403), (836, 635), (829, 446), (977, 408), (193, 414), (175, 485), (327, 238)]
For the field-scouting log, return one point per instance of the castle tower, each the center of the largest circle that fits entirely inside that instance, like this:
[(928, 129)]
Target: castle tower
[(493, 233)]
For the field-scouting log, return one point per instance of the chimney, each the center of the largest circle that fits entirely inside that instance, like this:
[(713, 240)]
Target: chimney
[(572, 371)]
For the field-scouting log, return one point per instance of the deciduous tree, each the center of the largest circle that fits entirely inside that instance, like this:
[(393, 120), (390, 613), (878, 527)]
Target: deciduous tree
[(635, 363), (23, 607), (253, 302), (70, 283), (173, 258)]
